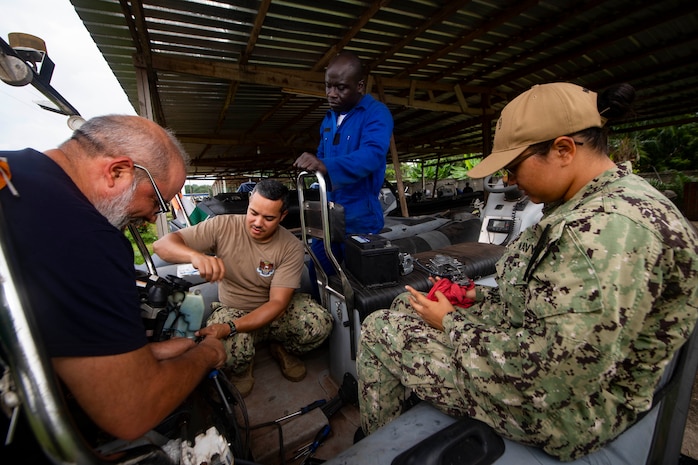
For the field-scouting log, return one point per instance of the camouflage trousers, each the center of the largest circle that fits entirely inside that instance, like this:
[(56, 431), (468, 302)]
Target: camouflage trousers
[(303, 327), (399, 353)]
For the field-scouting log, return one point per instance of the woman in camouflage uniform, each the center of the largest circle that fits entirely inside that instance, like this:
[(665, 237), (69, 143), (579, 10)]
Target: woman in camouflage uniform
[(591, 304)]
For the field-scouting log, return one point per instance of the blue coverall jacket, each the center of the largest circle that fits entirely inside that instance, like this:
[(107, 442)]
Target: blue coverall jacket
[(355, 156)]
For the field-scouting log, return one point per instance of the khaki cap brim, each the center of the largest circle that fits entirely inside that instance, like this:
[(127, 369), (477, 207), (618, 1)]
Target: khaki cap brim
[(495, 162), (542, 113)]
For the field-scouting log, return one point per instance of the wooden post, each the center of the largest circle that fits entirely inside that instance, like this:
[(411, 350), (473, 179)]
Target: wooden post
[(394, 156), (436, 176), (486, 126), (398, 177), (145, 109)]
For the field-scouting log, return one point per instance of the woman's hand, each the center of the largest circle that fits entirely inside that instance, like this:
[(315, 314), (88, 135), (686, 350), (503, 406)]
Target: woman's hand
[(430, 311)]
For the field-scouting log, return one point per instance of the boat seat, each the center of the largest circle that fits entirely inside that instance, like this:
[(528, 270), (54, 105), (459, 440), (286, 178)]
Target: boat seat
[(477, 259), (450, 232), (655, 439)]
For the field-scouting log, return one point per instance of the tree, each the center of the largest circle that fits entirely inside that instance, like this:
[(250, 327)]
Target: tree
[(197, 189), (668, 148)]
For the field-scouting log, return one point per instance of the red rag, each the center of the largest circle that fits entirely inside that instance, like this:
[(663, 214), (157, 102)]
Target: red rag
[(455, 293)]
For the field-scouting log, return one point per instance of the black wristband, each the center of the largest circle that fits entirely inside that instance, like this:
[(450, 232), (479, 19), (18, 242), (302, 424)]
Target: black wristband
[(233, 329)]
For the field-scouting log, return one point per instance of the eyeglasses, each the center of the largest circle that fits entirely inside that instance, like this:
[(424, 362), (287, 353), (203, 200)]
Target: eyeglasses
[(512, 167), (164, 206)]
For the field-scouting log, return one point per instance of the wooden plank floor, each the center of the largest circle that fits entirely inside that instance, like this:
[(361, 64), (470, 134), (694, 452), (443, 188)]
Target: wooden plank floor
[(274, 397)]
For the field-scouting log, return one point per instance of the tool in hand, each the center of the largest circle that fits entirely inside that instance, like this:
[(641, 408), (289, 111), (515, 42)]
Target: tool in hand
[(308, 450), (302, 411)]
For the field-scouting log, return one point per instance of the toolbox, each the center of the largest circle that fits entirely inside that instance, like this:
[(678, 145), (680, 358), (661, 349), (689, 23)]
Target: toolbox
[(372, 259)]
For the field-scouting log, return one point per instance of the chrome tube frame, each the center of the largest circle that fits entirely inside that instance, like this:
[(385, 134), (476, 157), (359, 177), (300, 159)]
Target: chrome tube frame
[(346, 292), (140, 243)]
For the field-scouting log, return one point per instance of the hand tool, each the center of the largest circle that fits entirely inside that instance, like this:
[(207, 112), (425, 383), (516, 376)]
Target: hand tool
[(302, 411), (308, 450)]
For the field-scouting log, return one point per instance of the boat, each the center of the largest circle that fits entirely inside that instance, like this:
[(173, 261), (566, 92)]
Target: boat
[(315, 420), (279, 418)]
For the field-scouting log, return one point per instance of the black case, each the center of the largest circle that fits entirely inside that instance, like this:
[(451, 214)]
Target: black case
[(372, 260)]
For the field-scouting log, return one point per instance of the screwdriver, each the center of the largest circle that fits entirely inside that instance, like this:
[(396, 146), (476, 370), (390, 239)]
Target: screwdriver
[(302, 411), (310, 449)]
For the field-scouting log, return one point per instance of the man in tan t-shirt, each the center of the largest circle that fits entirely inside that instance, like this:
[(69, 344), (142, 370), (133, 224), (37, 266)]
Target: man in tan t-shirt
[(258, 265)]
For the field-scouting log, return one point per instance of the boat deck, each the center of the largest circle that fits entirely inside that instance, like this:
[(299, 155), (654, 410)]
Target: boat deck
[(274, 397)]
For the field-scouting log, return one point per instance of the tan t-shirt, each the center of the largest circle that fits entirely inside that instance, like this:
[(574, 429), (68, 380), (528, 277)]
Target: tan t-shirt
[(251, 268)]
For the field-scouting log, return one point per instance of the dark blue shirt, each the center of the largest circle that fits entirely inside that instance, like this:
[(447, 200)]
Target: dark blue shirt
[(77, 268)]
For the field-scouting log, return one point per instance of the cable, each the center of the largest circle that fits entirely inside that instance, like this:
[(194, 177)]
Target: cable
[(282, 453), (243, 411)]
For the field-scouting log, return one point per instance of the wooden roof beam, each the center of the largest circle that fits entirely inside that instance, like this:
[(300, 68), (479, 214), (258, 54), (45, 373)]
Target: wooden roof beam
[(138, 27), (569, 55), (303, 80)]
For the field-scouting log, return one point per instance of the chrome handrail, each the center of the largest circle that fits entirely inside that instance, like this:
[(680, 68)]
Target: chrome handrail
[(347, 292)]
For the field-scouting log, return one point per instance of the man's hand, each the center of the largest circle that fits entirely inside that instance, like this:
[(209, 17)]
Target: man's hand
[(431, 312), (171, 348), (216, 346), (172, 248), (144, 385), (217, 330), (309, 162), (210, 268), (175, 347)]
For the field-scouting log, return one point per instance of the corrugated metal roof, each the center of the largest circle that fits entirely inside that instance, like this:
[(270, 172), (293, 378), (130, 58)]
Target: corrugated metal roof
[(241, 82)]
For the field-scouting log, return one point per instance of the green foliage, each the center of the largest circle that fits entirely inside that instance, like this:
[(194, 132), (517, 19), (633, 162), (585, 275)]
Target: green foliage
[(668, 148), (412, 171), (461, 171), (625, 148), (454, 168), (198, 189), (148, 232), (676, 185)]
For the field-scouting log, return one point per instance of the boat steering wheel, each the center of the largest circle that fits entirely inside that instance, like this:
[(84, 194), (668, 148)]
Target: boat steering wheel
[(491, 185)]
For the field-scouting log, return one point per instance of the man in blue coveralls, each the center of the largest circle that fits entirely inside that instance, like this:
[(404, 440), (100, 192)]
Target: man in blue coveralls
[(354, 140)]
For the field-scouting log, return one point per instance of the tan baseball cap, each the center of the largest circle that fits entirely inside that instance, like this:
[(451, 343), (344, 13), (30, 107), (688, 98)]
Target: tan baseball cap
[(542, 113)]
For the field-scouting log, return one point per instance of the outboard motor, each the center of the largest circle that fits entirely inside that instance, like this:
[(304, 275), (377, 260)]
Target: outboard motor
[(168, 308)]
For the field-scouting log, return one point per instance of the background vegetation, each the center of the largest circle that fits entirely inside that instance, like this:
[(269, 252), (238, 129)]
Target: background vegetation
[(148, 231), (197, 189), (672, 150)]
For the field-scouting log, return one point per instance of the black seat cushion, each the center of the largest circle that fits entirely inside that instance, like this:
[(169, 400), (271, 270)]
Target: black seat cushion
[(478, 260)]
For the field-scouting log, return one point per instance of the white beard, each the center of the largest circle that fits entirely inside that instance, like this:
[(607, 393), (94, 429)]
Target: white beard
[(116, 210)]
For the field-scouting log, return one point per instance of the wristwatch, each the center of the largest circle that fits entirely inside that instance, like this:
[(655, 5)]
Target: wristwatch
[(233, 329)]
